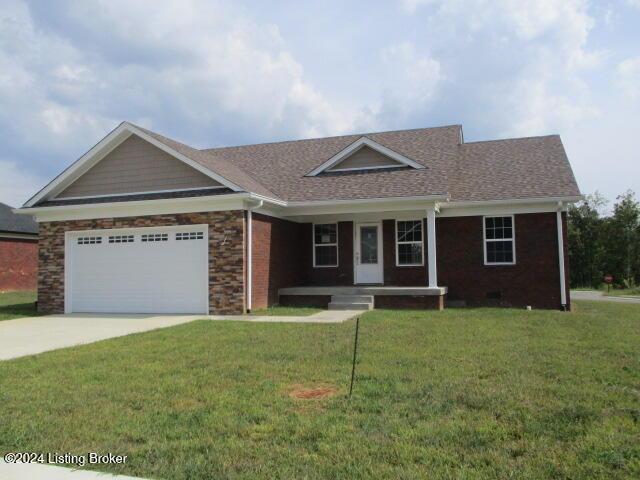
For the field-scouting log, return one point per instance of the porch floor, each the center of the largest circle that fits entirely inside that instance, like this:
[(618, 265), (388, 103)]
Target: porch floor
[(378, 290)]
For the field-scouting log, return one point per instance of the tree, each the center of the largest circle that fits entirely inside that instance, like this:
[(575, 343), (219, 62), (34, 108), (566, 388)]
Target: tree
[(622, 240), (586, 249)]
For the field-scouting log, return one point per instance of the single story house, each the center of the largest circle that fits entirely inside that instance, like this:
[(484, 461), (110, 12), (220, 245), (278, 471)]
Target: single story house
[(18, 251), (413, 218)]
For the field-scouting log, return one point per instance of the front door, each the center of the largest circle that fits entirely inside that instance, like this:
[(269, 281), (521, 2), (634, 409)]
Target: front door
[(368, 253)]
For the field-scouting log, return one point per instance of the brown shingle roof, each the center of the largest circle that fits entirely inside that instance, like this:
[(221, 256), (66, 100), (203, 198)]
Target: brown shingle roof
[(535, 167)]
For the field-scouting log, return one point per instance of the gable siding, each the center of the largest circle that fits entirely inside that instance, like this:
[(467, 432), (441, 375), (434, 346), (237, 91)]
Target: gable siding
[(366, 157), (136, 166)]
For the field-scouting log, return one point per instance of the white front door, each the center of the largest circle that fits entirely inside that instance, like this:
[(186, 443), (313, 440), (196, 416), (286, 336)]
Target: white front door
[(368, 253), (139, 270)]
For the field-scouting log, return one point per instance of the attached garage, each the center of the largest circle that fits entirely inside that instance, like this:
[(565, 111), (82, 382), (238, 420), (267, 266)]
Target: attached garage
[(140, 270)]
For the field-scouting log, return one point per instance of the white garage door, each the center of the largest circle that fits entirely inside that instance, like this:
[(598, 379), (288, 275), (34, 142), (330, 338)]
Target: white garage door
[(144, 270)]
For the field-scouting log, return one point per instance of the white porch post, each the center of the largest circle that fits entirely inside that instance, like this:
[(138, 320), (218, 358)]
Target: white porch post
[(431, 246)]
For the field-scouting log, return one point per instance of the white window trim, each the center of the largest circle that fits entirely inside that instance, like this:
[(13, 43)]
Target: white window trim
[(485, 240), (398, 264), (313, 235)]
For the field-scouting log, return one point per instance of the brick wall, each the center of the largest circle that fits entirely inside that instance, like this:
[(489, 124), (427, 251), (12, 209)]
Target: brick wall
[(277, 258), (340, 275), (226, 255), (534, 279), (18, 264), (402, 276)]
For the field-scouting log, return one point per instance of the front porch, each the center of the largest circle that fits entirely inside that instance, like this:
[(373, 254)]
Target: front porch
[(383, 296)]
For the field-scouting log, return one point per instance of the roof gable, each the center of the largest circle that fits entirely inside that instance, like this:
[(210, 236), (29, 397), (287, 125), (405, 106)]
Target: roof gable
[(108, 144), (133, 167), (395, 159)]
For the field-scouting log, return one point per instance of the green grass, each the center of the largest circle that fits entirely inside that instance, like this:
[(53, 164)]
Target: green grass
[(467, 394), (286, 311), (614, 292), (17, 304)]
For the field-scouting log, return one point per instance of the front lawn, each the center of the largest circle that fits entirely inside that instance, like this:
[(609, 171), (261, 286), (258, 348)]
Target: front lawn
[(278, 310), (17, 304), (462, 393)]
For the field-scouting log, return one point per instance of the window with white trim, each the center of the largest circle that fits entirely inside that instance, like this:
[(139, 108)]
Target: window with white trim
[(325, 245), (409, 243), (499, 240)]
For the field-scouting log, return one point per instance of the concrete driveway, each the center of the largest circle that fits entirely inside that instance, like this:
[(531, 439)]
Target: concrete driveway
[(601, 297), (28, 336)]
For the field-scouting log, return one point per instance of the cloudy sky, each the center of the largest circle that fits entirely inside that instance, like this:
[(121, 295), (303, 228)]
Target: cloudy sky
[(215, 73)]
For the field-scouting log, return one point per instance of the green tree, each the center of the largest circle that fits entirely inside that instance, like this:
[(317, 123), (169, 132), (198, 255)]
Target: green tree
[(622, 240), (585, 236)]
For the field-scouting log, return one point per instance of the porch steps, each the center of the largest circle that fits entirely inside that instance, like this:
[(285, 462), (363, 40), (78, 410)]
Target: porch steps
[(351, 302)]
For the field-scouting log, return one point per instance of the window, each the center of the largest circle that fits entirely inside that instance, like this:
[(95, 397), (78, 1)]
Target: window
[(121, 239), (499, 241), (409, 243), (155, 237), (89, 240), (189, 236), (325, 245)]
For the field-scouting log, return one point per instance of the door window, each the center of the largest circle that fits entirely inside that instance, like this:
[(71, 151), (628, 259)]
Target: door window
[(369, 245)]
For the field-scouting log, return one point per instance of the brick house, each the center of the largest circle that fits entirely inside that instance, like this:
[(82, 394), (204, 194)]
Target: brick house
[(414, 218), (18, 251)]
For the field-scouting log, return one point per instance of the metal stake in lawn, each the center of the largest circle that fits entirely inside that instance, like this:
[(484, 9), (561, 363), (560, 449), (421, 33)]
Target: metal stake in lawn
[(355, 352)]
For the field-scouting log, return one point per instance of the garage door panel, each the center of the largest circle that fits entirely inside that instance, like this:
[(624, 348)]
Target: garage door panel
[(168, 276)]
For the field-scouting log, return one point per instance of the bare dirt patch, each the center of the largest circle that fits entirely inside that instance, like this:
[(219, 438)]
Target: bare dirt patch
[(312, 393)]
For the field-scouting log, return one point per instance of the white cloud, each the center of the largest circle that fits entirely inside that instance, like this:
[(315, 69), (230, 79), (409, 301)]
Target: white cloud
[(628, 77), (16, 184), (520, 64), (413, 81), (633, 3), (202, 71)]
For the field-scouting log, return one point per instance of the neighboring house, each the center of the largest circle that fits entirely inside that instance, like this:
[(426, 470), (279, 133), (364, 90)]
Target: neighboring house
[(18, 251), (416, 218)]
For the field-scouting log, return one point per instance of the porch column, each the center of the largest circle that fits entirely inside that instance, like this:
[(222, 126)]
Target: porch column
[(431, 246)]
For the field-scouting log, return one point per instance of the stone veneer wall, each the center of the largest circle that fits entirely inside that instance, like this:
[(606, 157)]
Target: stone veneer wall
[(226, 255)]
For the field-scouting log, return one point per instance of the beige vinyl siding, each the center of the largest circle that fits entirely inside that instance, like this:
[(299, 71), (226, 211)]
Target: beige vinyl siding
[(136, 166), (366, 157)]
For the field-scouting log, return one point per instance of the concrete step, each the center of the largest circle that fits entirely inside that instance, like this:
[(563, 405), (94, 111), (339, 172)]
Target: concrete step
[(350, 306), (352, 299)]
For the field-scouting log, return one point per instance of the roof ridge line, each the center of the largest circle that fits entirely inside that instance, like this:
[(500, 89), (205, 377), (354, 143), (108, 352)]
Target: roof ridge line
[(334, 136), (512, 138)]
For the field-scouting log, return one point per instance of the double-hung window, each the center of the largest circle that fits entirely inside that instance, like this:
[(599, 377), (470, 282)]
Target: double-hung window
[(325, 245), (499, 241), (409, 245)]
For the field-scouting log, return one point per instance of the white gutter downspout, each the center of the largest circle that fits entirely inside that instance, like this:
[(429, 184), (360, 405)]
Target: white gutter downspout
[(250, 252), (563, 286)]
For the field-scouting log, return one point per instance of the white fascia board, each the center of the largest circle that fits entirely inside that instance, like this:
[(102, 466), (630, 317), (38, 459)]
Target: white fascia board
[(19, 236), (102, 149), (504, 207), (361, 142), (362, 205), (237, 201)]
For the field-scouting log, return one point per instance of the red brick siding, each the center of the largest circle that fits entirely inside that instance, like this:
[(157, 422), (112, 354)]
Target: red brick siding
[(401, 276), (430, 302), (226, 255), (340, 275), (277, 258), (18, 264), (534, 280)]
